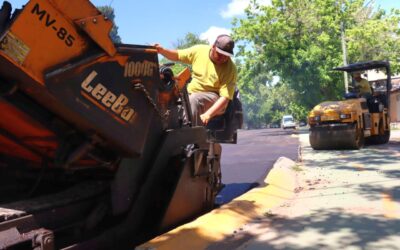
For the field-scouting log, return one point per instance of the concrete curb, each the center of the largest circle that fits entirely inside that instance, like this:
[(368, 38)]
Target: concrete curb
[(218, 225)]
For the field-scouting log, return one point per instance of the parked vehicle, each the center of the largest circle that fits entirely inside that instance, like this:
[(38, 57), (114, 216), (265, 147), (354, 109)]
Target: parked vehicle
[(288, 122)]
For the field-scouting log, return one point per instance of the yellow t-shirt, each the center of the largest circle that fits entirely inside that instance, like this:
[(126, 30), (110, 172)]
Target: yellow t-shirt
[(364, 86), (207, 76)]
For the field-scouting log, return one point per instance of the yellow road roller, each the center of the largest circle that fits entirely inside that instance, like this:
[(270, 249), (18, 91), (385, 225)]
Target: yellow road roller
[(359, 118)]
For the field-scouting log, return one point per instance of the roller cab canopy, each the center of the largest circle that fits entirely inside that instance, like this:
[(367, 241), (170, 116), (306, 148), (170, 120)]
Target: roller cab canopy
[(365, 66), (370, 65)]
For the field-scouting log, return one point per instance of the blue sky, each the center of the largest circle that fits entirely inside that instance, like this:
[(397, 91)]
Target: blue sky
[(165, 21)]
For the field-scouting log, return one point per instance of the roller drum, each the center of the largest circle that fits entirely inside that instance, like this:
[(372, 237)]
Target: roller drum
[(336, 136)]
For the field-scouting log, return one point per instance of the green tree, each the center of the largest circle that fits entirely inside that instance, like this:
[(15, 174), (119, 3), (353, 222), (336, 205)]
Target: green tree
[(108, 12), (375, 35), (300, 42), (253, 86), (189, 40)]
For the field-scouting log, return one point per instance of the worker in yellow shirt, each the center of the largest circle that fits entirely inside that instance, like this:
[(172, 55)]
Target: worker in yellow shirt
[(214, 76), (362, 85)]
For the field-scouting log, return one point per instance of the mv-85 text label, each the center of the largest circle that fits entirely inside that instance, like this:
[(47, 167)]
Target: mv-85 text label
[(49, 22)]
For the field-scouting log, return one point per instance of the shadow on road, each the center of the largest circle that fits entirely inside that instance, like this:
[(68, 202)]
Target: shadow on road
[(233, 190)]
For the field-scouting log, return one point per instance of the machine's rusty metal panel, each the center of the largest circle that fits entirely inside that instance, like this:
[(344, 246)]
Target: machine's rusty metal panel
[(192, 194), (28, 134), (24, 232), (40, 239), (29, 221), (7, 214), (89, 19), (152, 210), (95, 27)]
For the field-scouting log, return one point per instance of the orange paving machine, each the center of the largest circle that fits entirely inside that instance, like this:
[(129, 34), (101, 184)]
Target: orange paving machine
[(94, 149)]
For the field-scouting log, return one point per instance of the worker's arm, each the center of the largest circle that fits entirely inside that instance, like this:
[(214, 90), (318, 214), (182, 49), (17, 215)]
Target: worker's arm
[(217, 108), (168, 53)]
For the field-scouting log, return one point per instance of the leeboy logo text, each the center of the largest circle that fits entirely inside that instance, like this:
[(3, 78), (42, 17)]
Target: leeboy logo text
[(101, 95)]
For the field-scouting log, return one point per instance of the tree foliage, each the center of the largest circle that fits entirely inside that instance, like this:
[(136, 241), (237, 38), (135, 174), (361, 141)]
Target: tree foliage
[(300, 42), (189, 40), (375, 35), (108, 12)]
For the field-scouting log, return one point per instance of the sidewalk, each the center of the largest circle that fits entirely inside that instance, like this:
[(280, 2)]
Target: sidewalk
[(344, 200)]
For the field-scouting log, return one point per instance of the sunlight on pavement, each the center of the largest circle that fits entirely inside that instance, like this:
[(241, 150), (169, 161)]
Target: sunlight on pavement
[(358, 166), (390, 207)]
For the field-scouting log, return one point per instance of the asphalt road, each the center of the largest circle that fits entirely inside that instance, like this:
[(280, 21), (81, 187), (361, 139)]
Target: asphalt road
[(255, 153), (250, 160)]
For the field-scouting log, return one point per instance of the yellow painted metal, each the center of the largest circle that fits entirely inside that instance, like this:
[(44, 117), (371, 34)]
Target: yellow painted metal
[(220, 223), (375, 120), (331, 111)]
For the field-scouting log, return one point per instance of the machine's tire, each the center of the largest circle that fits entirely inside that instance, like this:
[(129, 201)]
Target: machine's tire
[(379, 139), (315, 142), (348, 137), (383, 136)]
